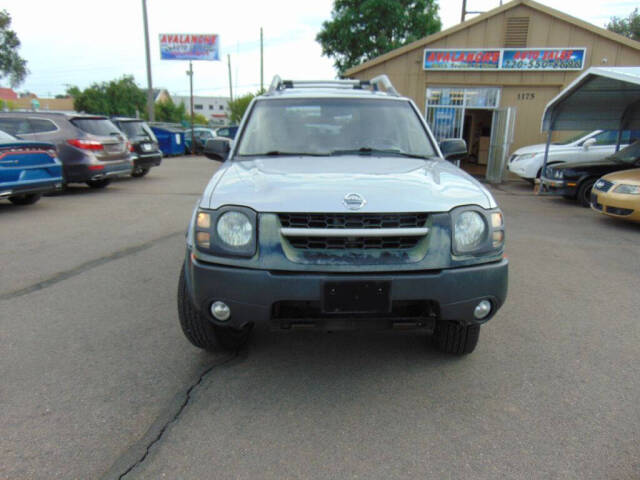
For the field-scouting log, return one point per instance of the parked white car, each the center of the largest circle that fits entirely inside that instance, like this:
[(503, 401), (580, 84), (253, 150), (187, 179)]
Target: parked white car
[(526, 162)]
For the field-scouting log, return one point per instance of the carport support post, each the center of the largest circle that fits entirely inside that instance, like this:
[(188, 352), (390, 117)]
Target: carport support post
[(546, 158)]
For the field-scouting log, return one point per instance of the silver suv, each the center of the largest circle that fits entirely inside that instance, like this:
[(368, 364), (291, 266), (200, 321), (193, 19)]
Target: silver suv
[(335, 208)]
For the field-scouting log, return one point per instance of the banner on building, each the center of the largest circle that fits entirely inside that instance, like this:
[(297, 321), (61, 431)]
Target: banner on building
[(514, 59), (542, 59), (461, 59), (189, 46)]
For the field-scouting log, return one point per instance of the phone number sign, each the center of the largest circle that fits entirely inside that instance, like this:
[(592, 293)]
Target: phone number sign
[(510, 59)]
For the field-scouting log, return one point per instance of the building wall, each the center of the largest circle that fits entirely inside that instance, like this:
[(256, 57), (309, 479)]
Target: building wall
[(55, 104), (216, 109), (545, 30)]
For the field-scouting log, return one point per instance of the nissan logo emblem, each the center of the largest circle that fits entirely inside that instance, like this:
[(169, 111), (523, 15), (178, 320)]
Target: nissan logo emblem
[(354, 201)]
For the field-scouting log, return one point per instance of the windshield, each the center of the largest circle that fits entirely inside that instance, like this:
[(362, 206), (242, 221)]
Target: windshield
[(96, 126), (629, 154), (332, 126), (572, 139), (136, 129), (5, 137)]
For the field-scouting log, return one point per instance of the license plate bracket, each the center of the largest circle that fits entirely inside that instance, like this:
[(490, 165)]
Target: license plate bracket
[(357, 297)]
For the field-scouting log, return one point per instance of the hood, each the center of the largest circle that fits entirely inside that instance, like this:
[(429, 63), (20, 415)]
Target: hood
[(313, 184), (587, 166), (625, 176), (574, 170), (539, 148)]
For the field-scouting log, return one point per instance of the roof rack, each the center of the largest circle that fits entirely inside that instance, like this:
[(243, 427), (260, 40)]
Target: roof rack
[(277, 84)]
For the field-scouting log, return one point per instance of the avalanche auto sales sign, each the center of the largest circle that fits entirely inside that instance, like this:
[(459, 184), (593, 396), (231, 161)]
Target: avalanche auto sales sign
[(189, 46), (514, 59)]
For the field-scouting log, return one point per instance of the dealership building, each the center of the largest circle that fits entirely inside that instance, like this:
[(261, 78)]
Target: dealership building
[(488, 79)]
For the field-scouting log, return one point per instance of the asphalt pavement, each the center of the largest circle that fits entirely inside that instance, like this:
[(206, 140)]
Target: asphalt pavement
[(99, 382)]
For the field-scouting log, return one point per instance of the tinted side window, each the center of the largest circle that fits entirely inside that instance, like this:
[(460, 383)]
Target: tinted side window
[(15, 126), (610, 137), (96, 126), (42, 125)]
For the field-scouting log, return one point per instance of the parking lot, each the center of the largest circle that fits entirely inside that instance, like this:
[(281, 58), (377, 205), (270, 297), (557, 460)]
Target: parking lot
[(98, 380)]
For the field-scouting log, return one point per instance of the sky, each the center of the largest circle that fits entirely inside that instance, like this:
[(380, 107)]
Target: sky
[(78, 42)]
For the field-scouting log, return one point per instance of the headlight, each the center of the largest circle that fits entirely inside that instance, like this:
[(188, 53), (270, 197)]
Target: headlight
[(627, 189), (476, 230), (524, 156), (555, 173), (234, 229), (229, 231), (469, 231)]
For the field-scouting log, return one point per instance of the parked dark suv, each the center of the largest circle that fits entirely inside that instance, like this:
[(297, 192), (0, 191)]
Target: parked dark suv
[(144, 149), (91, 148)]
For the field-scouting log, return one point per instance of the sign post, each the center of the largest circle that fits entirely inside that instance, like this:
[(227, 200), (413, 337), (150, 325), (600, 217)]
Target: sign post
[(188, 46)]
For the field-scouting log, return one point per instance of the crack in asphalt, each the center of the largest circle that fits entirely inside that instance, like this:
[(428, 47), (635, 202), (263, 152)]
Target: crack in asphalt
[(61, 276), (138, 452)]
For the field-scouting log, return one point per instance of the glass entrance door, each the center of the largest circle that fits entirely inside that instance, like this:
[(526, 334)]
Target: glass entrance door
[(446, 106)]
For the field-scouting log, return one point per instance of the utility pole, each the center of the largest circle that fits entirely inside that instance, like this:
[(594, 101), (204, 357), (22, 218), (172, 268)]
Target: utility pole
[(146, 48), (465, 11), (190, 73), (261, 62), (230, 87)]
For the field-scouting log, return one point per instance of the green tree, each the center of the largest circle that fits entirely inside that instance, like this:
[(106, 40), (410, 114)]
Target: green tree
[(360, 30), (629, 27), (116, 97), (168, 111), (199, 119), (239, 105), (11, 64)]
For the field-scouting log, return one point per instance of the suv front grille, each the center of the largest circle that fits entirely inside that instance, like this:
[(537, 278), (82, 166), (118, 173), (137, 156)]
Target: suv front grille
[(353, 220), (361, 243), (322, 231)]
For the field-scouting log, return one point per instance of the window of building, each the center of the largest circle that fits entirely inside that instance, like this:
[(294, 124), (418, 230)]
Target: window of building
[(197, 106), (210, 107), (446, 107), (221, 107)]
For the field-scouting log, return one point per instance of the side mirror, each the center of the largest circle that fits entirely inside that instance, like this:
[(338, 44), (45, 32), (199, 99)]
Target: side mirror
[(453, 149), (588, 142), (217, 148)]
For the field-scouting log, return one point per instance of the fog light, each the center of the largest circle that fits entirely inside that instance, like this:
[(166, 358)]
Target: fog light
[(482, 309), (221, 311)]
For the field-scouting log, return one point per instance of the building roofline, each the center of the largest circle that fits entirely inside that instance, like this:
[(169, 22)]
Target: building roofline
[(484, 16)]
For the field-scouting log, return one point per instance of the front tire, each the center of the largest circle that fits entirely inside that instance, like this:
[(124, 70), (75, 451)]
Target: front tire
[(98, 183), (200, 331), (26, 199), (451, 337), (584, 192)]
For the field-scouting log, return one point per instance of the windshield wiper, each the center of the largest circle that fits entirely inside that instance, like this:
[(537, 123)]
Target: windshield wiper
[(389, 151), (278, 153)]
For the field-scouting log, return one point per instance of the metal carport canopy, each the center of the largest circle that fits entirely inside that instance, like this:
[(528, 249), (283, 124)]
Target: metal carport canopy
[(602, 98)]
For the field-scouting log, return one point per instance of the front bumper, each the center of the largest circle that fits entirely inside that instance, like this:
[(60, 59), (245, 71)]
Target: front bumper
[(559, 187), (616, 205), (252, 294)]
